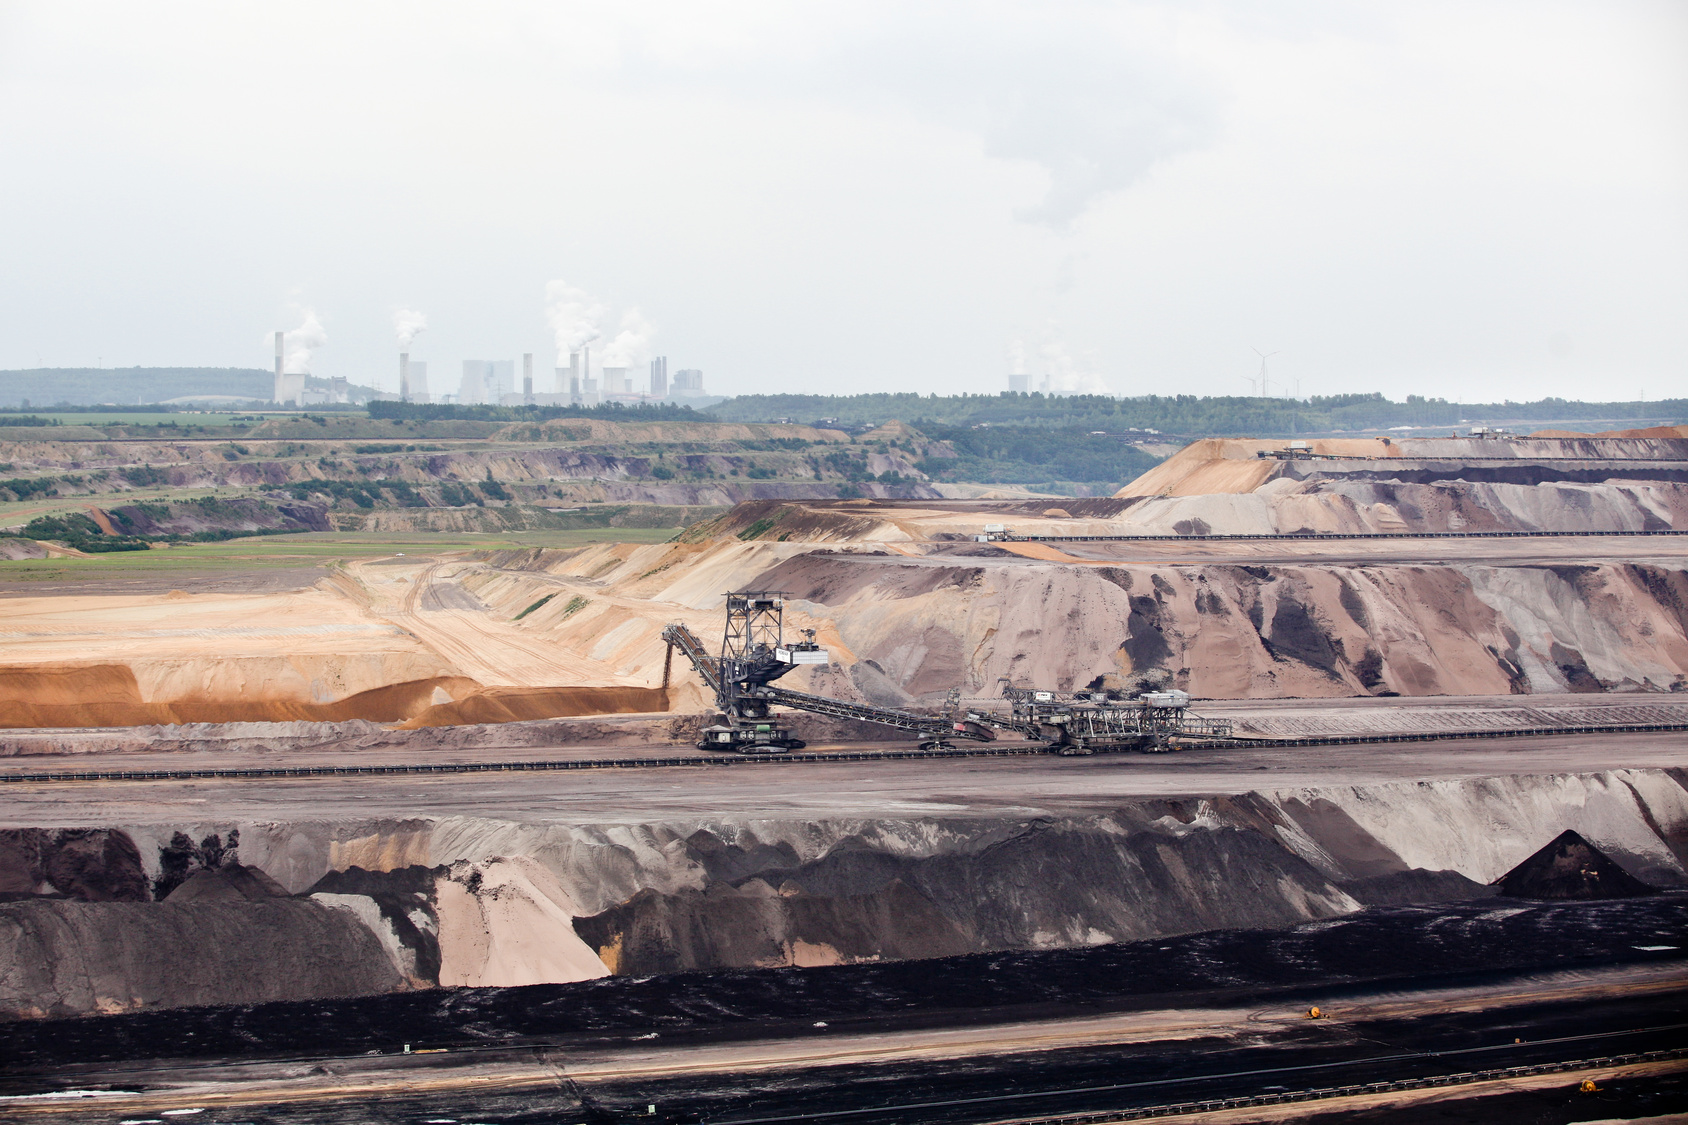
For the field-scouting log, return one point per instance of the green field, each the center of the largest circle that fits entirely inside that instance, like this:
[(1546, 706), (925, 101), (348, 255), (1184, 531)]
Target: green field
[(16, 513), (149, 418), (307, 549)]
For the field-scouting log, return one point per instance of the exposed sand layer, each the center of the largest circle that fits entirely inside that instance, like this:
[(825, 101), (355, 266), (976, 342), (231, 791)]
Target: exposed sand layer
[(1251, 631), (523, 635), (910, 608), (12, 548), (476, 900), (1222, 486)]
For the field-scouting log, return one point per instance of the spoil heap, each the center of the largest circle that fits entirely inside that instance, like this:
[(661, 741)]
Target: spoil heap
[(620, 880), (1225, 486), (1569, 867), (911, 607)]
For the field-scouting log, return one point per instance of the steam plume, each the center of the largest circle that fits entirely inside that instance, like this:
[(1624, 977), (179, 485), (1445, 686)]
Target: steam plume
[(301, 342), (574, 316), (1069, 374), (407, 325), (1017, 356), (632, 345)]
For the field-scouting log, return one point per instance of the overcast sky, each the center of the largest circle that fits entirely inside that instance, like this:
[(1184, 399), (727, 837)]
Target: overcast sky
[(1477, 200)]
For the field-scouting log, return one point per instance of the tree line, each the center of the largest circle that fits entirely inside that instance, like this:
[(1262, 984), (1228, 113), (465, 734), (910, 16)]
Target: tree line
[(1181, 415)]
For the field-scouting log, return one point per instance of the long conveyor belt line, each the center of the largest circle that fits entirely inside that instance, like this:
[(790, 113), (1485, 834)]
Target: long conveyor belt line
[(1015, 751)]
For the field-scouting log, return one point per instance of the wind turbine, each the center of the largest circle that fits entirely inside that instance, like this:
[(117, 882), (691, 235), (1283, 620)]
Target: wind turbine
[(1265, 387)]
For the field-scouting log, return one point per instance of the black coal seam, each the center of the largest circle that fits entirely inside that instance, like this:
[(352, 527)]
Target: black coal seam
[(797, 759)]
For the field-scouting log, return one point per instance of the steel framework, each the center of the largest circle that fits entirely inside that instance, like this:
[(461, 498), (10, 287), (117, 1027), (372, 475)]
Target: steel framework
[(754, 654)]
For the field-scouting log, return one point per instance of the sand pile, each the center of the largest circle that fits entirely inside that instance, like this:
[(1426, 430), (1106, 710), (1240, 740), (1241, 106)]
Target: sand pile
[(506, 922), (352, 648)]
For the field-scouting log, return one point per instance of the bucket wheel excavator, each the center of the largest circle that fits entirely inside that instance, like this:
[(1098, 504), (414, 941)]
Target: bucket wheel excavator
[(754, 654)]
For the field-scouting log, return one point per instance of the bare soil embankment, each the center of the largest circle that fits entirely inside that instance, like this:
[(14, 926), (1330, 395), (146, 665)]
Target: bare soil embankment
[(316, 655), (527, 635), (469, 900), (1225, 486), (911, 609)]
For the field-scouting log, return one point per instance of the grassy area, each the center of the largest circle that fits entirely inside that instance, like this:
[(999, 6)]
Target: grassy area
[(153, 418), (16, 513), (307, 549)]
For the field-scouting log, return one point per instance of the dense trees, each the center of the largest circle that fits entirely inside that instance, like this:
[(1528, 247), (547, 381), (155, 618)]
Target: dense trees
[(1182, 415)]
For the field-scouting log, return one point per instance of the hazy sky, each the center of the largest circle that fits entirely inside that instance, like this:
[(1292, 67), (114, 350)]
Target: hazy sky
[(1470, 199)]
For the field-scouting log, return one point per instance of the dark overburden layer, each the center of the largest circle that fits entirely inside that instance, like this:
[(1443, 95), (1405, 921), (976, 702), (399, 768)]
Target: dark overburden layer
[(1415, 944)]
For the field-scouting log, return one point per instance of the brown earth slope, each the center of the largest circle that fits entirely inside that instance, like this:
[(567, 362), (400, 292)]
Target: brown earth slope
[(910, 608)]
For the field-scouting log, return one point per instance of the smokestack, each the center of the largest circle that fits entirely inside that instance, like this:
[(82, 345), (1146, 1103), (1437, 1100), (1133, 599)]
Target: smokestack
[(574, 377), (404, 376), (527, 378), (280, 354)]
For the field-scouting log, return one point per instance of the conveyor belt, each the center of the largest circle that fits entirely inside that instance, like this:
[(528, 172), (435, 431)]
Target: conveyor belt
[(990, 751), (885, 716), (686, 641)]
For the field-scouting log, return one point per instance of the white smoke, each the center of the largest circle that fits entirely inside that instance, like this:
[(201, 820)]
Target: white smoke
[(1017, 356), (574, 316), (632, 345), (1067, 374), (407, 325), (298, 344)]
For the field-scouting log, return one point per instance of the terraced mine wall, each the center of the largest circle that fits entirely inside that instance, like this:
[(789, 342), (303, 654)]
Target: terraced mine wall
[(978, 613), (137, 917), (1390, 502)]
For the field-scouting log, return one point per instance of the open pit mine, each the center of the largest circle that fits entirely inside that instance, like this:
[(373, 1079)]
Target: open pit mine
[(1351, 772)]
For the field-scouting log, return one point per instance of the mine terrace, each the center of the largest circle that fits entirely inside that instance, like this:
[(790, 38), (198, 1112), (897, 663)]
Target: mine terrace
[(410, 769)]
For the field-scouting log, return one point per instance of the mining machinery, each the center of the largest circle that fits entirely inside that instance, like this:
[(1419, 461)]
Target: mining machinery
[(754, 653), (1082, 722)]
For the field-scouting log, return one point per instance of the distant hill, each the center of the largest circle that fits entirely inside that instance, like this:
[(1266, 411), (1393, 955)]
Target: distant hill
[(126, 386)]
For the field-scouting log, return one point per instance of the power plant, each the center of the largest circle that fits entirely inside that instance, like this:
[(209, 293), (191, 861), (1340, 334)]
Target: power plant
[(491, 382)]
